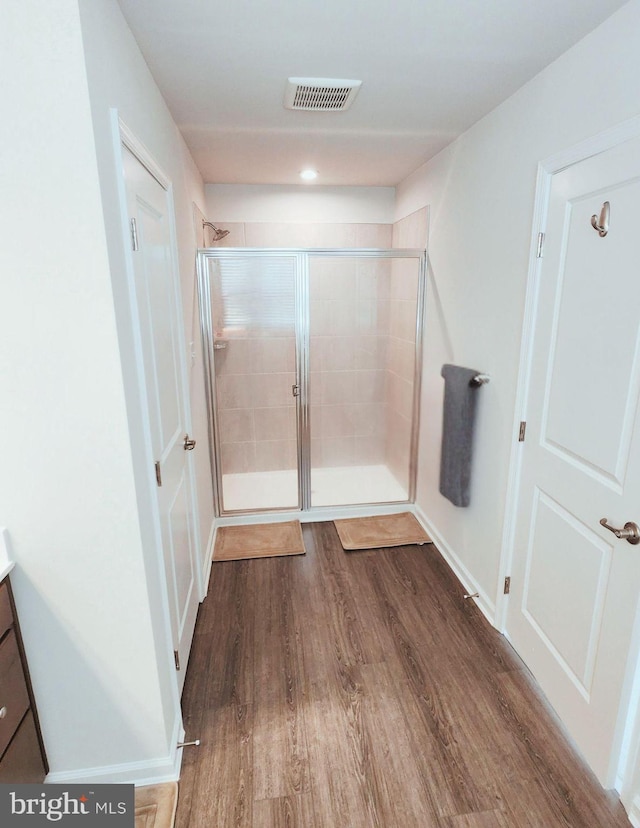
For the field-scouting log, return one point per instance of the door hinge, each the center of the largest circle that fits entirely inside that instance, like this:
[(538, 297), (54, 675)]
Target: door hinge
[(158, 473), (540, 247), (507, 585), (134, 235), (176, 658), (521, 433)]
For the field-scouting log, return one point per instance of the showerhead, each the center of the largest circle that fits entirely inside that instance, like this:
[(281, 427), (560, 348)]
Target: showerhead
[(218, 234)]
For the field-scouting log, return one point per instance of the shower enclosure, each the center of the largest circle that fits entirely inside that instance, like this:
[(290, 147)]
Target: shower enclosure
[(312, 361)]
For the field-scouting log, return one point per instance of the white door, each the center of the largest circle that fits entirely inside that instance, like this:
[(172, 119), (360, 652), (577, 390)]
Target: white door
[(574, 585), (157, 299)]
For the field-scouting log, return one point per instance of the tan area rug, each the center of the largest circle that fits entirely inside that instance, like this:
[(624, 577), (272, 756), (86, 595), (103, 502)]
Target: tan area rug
[(156, 805), (380, 531), (259, 540)]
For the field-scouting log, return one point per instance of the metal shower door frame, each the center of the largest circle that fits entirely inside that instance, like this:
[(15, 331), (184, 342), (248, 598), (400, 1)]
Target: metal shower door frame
[(302, 257)]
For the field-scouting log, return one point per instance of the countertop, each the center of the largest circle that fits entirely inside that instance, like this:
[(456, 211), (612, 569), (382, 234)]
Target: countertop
[(6, 564)]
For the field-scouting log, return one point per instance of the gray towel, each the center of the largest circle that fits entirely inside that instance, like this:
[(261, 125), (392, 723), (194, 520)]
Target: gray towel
[(458, 415)]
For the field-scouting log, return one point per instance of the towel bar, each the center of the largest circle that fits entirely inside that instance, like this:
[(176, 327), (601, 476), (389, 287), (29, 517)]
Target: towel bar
[(480, 379)]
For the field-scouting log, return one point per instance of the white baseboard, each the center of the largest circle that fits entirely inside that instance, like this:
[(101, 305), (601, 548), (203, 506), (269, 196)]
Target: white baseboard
[(483, 602), (146, 772), (634, 812), (208, 560)]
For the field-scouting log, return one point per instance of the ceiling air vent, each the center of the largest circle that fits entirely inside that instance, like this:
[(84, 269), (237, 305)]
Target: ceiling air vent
[(320, 94)]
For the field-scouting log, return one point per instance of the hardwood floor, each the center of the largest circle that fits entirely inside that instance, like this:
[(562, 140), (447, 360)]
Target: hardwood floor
[(360, 690)]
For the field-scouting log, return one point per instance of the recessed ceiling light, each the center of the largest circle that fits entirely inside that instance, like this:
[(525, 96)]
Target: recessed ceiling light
[(309, 175)]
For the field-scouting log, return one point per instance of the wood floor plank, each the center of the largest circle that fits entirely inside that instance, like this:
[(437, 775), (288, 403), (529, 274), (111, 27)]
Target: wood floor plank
[(219, 783), (498, 654), (285, 812), (334, 576), (329, 612), (527, 805), (443, 602), (361, 690), (487, 819), (220, 665), (452, 655), (433, 707), (279, 734), (338, 747), (570, 788), (412, 791)]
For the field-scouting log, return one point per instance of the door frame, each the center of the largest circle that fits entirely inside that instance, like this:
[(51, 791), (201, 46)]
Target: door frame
[(302, 257), (123, 137), (629, 729)]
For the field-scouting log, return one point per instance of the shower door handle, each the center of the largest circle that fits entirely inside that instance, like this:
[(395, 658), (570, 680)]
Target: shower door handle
[(295, 390)]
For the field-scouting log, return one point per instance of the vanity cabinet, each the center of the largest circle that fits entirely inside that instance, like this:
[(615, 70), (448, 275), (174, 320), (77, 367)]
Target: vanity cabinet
[(22, 756)]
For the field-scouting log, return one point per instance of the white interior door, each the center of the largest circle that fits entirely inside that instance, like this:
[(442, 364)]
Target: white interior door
[(157, 295), (575, 585)]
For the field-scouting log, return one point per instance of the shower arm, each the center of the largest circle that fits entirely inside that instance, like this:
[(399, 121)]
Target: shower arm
[(218, 233)]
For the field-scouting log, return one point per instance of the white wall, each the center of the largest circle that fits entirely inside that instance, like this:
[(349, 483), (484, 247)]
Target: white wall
[(304, 203), (67, 491), (74, 484), (480, 191), (118, 77)]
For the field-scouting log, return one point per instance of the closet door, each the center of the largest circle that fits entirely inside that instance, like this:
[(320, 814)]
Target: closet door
[(575, 581), (159, 322)]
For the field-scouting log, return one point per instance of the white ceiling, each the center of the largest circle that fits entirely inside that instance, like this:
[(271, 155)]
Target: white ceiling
[(430, 69)]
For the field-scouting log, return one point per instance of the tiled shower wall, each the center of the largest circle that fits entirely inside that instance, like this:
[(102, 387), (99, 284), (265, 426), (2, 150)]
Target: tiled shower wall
[(349, 326), (362, 321), (257, 411), (283, 234)]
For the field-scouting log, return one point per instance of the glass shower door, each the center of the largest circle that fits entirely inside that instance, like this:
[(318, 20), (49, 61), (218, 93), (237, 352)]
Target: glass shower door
[(363, 324), (253, 341)]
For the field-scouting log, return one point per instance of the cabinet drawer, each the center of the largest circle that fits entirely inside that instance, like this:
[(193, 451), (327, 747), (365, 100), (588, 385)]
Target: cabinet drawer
[(6, 614), (14, 697), (22, 762)]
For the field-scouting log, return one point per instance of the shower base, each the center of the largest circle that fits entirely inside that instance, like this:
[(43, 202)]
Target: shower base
[(340, 486)]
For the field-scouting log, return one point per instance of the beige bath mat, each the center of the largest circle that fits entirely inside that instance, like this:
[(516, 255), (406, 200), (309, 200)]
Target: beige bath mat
[(259, 540), (380, 531), (156, 805)]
